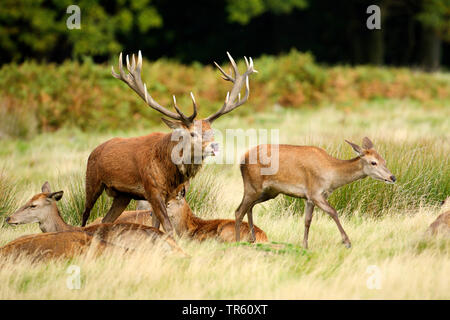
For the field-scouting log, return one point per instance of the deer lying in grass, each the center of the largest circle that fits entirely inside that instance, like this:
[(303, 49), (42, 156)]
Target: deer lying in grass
[(46, 246), (137, 216), (442, 222), (45, 212), (186, 223), (309, 173), (42, 209), (151, 167)]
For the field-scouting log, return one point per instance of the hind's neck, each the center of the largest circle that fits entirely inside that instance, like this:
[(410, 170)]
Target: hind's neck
[(54, 222)]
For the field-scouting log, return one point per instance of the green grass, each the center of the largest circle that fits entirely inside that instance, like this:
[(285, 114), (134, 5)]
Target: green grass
[(386, 223)]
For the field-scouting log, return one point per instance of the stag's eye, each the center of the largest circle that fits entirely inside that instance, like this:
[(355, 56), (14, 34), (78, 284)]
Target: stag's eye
[(33, 206), (373, 163), (192, 134)]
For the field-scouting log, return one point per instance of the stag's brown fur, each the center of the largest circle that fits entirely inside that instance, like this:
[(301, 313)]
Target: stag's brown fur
[(142, 168), (136, 168)]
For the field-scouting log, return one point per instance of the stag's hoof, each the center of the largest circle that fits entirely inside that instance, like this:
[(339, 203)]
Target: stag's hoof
[(348, 245)]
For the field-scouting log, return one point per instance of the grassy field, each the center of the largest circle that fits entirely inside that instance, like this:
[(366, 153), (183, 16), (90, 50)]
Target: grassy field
[(386, 223)]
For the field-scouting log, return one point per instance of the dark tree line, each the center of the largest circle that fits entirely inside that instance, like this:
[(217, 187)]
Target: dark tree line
[(413, 32)]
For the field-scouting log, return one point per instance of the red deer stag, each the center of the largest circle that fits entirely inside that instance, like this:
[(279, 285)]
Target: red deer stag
[(309, 173), (143, 168)]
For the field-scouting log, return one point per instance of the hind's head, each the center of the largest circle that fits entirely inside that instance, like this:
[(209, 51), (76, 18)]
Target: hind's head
[(373, 163), (178, 209), (38, 209)]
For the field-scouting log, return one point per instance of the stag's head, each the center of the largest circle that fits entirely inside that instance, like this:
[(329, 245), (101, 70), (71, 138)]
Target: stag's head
[(373, 164), (196, 135), (38, 209)]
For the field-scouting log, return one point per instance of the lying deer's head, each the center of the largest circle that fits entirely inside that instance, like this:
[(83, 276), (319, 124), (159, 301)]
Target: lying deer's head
[(38, 209), (196, 135), (178, 208), (373, 164)]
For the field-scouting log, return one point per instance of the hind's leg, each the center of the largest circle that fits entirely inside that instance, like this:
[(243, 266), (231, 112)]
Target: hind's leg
[(119, 204), (262, 198), (246, 206), (93, 190), (309, 208)]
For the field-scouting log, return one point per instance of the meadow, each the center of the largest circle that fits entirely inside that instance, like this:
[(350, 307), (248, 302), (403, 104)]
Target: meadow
[(386, 223)]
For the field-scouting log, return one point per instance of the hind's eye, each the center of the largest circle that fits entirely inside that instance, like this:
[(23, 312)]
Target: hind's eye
[(33, 206), (192, 134), (373, 163)]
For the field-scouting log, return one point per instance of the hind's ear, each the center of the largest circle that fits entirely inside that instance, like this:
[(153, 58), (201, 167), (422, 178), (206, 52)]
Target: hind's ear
[(359, 151), (46, 187), (367, 144), (56, 195)]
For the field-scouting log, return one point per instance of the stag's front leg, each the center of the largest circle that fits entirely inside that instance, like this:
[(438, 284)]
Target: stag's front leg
[(159, 209)]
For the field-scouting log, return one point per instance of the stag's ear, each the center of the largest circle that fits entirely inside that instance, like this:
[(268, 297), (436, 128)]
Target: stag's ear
[(367, 144), (172, 124), (46, 187), (359, 151), (56, 195)]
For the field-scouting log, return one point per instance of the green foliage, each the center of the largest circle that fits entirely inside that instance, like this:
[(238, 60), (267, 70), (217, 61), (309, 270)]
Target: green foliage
[(38, 28), (7, 195), (45, 97), (435, 14), (243, 11)]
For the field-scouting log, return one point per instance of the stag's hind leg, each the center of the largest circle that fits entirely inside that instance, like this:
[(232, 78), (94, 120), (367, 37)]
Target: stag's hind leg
[(93, 190), (119, 204)]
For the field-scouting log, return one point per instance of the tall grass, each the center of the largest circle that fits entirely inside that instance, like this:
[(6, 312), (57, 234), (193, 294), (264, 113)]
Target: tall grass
[(7, 196), (386, 223)]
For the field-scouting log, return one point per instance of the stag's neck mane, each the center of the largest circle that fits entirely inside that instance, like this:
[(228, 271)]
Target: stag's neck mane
[(183, 171)]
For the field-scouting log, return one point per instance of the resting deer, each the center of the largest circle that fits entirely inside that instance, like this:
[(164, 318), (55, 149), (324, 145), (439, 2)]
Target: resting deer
[(42, 209), (149, 167), (186, 223), (309, 173), (46, 246), (442, 222)]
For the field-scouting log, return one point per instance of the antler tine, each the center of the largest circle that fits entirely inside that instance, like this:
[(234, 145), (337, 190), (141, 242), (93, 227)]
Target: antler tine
[(139, 63), (182, 116), (233, 99), (194, 104), (225, 76), (233, 63), (134, 81), (128, 63)]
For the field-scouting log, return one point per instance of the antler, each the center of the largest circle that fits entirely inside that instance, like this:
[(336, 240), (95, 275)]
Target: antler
[(233, 99), (134, 81)]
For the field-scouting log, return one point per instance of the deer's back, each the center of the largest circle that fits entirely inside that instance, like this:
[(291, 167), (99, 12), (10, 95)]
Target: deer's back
[(302, 166), (138, 217), (224, 230), (65, 244), (441, 224), (119, 162)]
